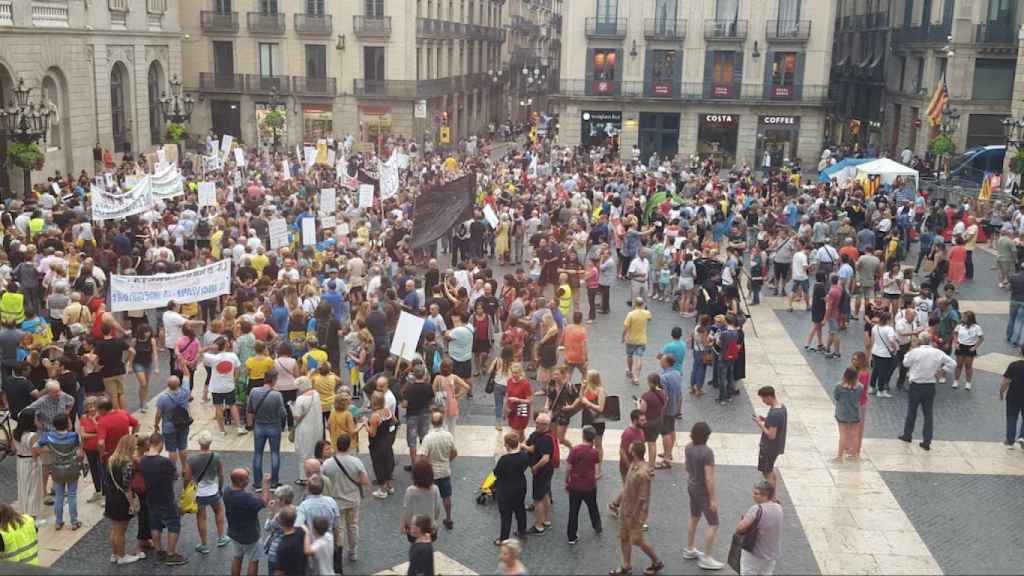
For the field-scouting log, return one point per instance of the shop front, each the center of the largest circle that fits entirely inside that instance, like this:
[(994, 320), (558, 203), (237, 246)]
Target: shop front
[(659, 133), (317, 123), (717, 137), (778, 136), (374, 125), (600, 127)]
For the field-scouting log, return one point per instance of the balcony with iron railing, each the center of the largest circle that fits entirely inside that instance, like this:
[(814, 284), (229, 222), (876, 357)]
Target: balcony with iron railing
[(265, 84), (695, 91), (266, 23), (787, 30), (725, 30), (662, 29), (386, 89), (230, 83), (606, 28), (922, 34), (995, 32), (314, 24), (876, 20), (310, 86), (219, 22), (371, 26)]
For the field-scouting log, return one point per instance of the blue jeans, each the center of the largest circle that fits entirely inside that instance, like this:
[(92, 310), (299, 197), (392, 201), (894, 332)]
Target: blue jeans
[(1013, 410), (261, 434), (699, 374), (723, 378), (1016, 307), (71, 490), (499, 402)]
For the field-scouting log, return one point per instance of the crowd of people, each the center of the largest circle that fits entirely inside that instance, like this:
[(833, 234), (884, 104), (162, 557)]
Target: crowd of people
[(300, 349)]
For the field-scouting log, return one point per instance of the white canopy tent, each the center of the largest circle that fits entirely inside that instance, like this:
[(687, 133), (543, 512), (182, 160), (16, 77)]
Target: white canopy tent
[(888, 169)]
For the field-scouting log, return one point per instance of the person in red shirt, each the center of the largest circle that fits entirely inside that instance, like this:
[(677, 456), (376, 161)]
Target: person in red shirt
[(833, 301), (519, 400), (581, 482), (90, 444), (111, 426)]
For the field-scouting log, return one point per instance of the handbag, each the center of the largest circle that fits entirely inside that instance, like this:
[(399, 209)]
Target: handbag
[(489, 387), (134, 504), (707, 357), (187, 502), (746, 540)]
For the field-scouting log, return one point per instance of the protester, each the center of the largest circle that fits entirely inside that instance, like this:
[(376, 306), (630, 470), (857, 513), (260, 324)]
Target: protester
[(206, 470)]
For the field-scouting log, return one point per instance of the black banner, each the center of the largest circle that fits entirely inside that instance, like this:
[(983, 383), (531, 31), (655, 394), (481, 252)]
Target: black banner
[(442, 207)]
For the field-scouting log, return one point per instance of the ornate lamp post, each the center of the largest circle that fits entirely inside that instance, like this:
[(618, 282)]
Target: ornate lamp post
[(275, 103), (947, 127), (175, 108), (25, 123), (1013, 130)]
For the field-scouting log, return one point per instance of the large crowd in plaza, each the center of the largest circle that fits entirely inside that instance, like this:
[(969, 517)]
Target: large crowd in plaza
[(299, 347)]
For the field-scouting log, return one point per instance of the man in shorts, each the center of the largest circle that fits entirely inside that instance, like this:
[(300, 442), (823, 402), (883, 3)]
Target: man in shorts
[(773, 433), (242, 510), (175, 436), (868, 267), (833, 304), (439, 446), (700, 469), (636, 500), (541, 447), (224, 367), (634, 335), (159, 473), (114, 353)]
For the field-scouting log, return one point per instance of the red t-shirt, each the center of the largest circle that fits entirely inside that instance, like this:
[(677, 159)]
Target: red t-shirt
[(834, 298), (89, 426), (582, 475), (111, 427), (629, 436)]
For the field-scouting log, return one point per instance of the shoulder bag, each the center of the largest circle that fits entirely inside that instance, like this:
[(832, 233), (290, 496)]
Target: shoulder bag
[(743, 541), (250, 419), (134, 504), (347, 475)]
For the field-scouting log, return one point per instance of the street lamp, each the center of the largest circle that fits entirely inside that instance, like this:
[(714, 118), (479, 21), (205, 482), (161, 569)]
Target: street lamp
[(947, 127), (275, 103), (175, 108), (25, 122)]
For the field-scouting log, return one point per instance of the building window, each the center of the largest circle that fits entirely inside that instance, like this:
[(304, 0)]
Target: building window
[(1001, 10), (315, 7), (665, 10), (607, 10), (317, 123), (926, 13), (223, 59), (723, 74), (789, 11), (727, 10), (605, 66), (374, 8), (908, 13), (223, 6), (316, 61), (663, 72), (373, 63), (993, 79), (903, 74), (268, 6), (270, 59), (918, 74), (783, 75)]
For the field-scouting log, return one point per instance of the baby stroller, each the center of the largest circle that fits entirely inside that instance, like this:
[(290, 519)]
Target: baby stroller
[(486, 489)]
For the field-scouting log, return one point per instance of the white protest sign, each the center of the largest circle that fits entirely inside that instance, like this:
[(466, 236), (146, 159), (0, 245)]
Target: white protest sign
[(286, 171), (225, 143), (365, 196), (278, 232), (308, 231), (108, 179), (491, 217), (330, 157), (343, 229), (407, 336), (129, 293), (298, 153), (207, 194), (161, 156), (328, 201), (327, 222), (239, 157), (56, 188), (211, 163), (309, 153)]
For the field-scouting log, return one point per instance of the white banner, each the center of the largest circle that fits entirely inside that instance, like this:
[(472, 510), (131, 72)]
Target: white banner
[(211, 163), (328, 201), (389, 178), (365, 196), (167, 183), (207, 194), (308, 231), (146, 292), (239, 157), (114, 206), (225, 143), (278, 232)]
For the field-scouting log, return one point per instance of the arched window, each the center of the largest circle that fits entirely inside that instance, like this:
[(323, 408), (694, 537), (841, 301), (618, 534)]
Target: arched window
[(119, 106), (51, 96), (155, 82)]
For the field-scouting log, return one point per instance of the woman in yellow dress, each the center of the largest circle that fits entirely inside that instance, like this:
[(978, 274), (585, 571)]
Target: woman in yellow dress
[(501, 244)]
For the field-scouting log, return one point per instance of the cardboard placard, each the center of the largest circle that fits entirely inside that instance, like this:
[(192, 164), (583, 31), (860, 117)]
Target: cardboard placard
[(365, 196), (278, 232), (308, 231), (407, 336), (207, 194)]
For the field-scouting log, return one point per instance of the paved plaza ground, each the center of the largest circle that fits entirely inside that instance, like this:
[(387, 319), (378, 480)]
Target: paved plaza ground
[(900, 510)]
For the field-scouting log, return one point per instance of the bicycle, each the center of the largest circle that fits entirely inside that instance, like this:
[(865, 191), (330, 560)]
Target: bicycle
[(7, 447)]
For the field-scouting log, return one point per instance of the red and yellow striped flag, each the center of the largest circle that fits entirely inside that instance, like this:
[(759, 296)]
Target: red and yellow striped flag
[(938, 103)]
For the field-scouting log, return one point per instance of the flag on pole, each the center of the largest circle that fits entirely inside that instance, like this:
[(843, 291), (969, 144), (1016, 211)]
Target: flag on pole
[(938, 103)]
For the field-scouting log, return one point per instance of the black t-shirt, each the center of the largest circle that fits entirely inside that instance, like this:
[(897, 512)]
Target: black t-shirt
[(159, 473), (18, 390), (111, 356), (421, 559), (418, 396), (543, 445), (68, 383), (291, 553), (776, 418), (1015, 373), (510, 472), (818, 301)]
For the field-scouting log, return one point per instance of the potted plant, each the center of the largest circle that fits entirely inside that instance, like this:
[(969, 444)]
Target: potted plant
[(1017, 163), (176, 133), (942, 145), (274, 119), (25, 156)]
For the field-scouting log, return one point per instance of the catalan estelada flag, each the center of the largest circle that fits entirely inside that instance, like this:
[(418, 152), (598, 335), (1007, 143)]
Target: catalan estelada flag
[(938, 103)]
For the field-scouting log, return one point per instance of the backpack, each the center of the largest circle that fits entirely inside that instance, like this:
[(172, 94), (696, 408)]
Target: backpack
[(179, 415), (732, 350), (65, 467)]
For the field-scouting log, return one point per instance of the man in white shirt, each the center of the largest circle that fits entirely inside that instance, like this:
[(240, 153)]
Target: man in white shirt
[(908, 324), (439, 446), (639, 272), (924, 363), (223, 365), (801, 280), (348, 481), (172, 324)]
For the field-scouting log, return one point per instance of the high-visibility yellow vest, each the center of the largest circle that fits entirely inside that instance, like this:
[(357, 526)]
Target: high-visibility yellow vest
[(35, 226), (21, 543), (12, 307)]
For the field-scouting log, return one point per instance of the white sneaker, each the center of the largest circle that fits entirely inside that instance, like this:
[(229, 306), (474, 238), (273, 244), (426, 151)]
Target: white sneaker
[(884, 394), (692, 554), (967, 386), (956, 385), (1021, 442), (242, 431), (113, 559), (127, 559), (381, 494), (709, 563)]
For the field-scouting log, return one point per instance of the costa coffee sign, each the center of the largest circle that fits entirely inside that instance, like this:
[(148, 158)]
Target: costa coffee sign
[(780, 121), (721, 119)]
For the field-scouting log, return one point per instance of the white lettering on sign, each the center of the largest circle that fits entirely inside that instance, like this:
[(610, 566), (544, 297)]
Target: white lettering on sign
[(789, 120), (720, 118)]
